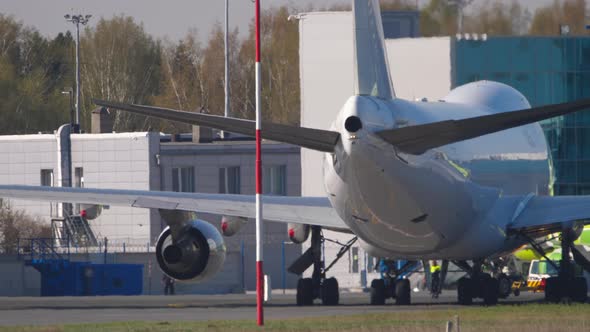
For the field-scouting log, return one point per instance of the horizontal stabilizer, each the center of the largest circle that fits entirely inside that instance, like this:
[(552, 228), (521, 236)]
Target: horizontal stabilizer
[(418, 139), (315, 139)]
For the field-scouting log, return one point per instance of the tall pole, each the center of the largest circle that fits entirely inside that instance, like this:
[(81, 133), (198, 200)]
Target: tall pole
[(259, 257), (226, 113), (77, 125), (77, 20)]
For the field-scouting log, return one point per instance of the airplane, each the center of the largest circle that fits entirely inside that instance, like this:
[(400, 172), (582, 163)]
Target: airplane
[(396, 176)]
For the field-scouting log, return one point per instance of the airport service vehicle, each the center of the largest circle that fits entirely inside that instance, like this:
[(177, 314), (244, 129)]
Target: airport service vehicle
[(539, 272), (397, 176)]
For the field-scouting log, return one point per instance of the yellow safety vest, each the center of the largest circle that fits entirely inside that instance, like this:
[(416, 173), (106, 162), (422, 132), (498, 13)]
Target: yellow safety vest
[(434, 269)]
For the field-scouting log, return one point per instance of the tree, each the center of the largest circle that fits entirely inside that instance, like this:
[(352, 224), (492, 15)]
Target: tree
[(280, 68), (498, 18), (31, 77), (212, 71), (180, 80), (15, 225), (438, 18), (546, 20), (120, 61)]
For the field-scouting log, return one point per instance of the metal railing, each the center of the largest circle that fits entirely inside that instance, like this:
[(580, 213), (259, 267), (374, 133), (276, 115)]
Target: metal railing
[(73, 228), (41, 249)]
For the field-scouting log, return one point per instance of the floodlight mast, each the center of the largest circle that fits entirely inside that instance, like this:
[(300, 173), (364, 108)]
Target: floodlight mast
[(77, 20), (259, 231)]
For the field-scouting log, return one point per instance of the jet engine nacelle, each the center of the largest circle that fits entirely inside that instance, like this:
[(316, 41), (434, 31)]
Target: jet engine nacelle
[(230, 226), (196, 254), (298, 233), (497, 96), (90, 211)]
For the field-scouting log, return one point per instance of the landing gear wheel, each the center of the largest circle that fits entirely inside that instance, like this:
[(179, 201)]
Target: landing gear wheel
[(304, 292), (402, 292), (553, 290), (504, 286), (464, 291), (330, 295), (490, 291), (377, 292), (579, 290)]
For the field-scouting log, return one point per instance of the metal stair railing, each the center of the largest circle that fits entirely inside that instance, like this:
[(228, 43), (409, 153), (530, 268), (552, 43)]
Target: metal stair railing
[(77, 231), (39, 250)]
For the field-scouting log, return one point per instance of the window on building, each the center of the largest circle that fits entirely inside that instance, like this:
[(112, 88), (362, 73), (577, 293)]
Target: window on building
[(79, 177), (47, 177), (275, 180), (370, 263), (183, 179), (354, 260), (229, 180)]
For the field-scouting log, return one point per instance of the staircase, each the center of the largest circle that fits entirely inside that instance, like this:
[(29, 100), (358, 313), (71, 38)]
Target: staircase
[(40, 251), (73, 230)]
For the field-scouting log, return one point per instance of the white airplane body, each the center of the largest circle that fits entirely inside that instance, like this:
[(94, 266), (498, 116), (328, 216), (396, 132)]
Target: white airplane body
[(465, 178), (427, 206)]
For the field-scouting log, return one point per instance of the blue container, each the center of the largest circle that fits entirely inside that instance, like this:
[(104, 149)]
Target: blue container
[(65, 278)]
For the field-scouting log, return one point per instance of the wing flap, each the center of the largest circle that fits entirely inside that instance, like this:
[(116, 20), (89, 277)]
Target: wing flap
[(299, 210)]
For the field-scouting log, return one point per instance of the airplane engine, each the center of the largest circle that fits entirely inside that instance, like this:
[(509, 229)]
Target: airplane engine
[(298, 233), (230, 226), (196, 254), (497, 96)]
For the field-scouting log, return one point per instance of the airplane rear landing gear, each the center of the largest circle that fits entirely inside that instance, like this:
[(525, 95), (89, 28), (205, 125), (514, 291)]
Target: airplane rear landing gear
[(566, 286), (318, 286), (390, 286), (476, 285)]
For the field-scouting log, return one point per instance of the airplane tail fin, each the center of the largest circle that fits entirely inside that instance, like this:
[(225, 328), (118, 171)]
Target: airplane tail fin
[(371, 66)]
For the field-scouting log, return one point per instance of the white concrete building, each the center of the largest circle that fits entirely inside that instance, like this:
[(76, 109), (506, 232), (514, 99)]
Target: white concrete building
[(150, 161)]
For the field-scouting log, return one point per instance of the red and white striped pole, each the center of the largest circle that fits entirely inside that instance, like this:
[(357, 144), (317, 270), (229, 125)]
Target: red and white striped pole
[(259, 258)]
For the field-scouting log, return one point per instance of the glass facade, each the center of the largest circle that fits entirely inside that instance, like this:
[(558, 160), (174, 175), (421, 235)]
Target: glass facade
[(547, 70)]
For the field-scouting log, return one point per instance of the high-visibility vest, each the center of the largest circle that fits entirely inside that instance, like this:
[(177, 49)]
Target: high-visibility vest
[(434, 268)]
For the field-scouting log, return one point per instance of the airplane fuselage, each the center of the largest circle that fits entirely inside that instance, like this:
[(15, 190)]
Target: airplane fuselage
[(438, 204)]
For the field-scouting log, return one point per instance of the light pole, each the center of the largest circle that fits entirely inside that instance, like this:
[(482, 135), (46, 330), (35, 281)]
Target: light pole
[(77, 20), (226, 44)]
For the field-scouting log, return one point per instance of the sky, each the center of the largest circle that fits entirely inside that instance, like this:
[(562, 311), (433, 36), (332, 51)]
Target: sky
[(163, 19)]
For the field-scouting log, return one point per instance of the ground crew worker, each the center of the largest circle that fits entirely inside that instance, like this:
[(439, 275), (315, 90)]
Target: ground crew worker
[(168, 285), (435, 285)]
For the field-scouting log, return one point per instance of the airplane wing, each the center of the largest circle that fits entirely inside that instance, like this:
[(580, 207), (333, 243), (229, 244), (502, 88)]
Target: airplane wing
[(300, 210), (543, 215)]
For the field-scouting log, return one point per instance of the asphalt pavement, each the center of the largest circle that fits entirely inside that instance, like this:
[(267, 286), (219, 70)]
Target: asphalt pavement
[(64, 310)]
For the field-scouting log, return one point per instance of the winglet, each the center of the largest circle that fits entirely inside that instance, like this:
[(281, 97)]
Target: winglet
[(371, 66)]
